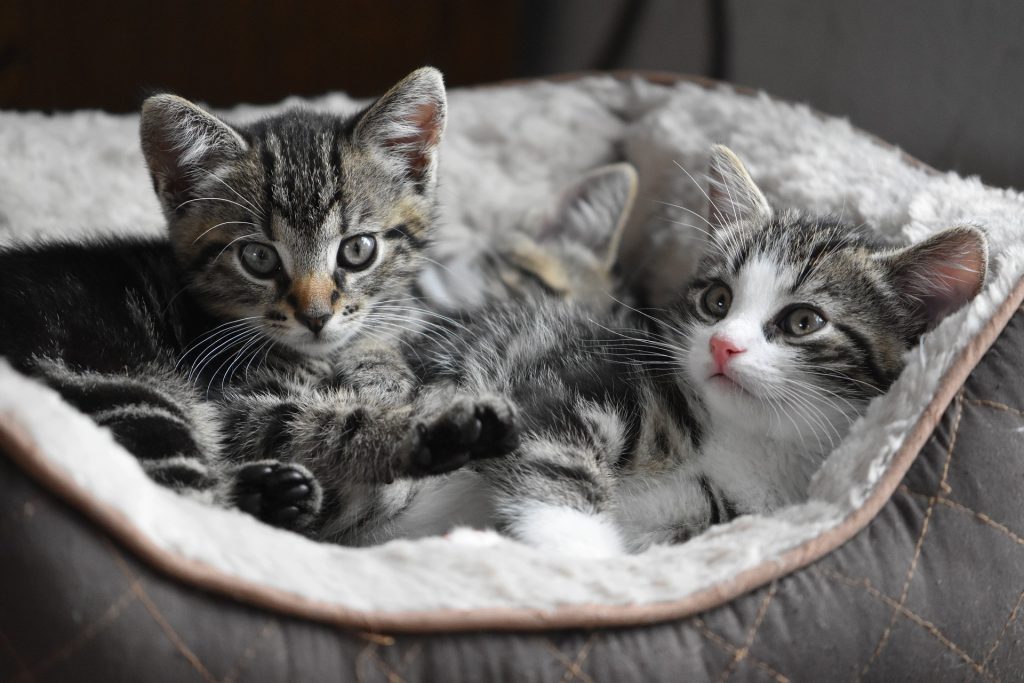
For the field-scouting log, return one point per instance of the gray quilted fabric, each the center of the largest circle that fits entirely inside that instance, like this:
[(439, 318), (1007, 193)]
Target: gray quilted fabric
[(931, 591)]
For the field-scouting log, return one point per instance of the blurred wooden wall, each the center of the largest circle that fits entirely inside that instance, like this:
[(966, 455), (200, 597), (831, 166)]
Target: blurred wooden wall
[(63, 55), (942, 78)]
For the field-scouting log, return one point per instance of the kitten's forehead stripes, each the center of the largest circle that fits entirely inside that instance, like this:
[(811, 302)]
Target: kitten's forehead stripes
[(832, 243), (792, 242), (303, 168)]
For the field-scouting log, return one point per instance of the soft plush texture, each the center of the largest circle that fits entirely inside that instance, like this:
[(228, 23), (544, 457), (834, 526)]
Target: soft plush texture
[(508, 149)]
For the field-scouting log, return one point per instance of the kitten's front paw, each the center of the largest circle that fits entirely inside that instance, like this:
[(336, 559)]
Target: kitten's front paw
[(469, 430), (445, 444), (284, 495)]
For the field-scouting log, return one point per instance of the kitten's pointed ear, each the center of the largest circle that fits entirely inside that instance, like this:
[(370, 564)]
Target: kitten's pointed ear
[(940, 274), (407, 123), (593, 211), (732, 193), (180, 140)]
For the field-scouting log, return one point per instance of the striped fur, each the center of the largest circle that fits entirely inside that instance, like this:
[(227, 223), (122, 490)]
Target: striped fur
[(633, 434), (560, 259)]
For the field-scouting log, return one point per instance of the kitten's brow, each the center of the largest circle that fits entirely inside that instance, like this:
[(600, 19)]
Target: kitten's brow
[(223, 182), (220, 224), (212, 199)]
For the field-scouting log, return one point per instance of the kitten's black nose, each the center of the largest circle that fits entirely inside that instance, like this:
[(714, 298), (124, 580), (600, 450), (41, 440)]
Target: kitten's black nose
[(313, 322)]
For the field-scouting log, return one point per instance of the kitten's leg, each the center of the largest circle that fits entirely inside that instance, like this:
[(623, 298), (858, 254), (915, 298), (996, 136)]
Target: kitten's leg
[(154, 415), (366, 514), (376, 372), (346, 441), (556, 491), (160, 419)]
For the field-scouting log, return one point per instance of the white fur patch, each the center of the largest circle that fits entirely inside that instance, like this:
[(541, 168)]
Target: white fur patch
[(474, 538), (565, 531)]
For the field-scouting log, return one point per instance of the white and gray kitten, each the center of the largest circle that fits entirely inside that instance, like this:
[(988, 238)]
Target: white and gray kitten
[(648, 428)]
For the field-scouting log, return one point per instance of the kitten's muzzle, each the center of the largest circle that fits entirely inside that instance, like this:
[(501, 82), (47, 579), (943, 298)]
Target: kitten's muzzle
[(722, 351), (312, 297)]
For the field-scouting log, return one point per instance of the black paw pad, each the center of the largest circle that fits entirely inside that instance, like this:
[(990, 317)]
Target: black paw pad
[(282, 495), (499, 434), (454, 432), (445, 445)]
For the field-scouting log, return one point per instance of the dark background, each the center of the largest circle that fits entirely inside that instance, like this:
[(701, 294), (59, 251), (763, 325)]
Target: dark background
[(942, 78)]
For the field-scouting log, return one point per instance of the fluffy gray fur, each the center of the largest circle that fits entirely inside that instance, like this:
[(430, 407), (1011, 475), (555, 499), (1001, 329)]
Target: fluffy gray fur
[(563, 252), (331, 392)]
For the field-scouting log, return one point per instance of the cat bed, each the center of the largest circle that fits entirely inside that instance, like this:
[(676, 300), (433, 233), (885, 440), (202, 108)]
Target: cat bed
[(905, 561)]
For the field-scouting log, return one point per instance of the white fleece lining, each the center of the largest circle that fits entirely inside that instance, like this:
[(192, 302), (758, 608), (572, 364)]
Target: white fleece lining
[(507, 149)]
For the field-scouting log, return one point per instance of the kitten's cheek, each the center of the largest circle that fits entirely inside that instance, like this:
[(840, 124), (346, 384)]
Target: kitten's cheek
[(344, 329), (699, 368)]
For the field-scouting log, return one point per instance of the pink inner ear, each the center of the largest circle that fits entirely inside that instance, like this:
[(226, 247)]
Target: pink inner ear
[(417, 146), (165, 153), (956, 282), (950, 278)]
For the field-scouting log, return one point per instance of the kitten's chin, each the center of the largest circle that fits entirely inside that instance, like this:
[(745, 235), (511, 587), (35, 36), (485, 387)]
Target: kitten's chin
[(728, 385), (312, 345), (314, 348), (727, 398)]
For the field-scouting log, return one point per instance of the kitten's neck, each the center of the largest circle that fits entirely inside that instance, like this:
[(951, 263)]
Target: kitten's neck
[(758, 470)]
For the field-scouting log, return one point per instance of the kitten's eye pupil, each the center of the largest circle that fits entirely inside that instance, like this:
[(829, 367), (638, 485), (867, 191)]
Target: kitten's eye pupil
[(802, 321), (259, 259), (716, 300), (357, 251)]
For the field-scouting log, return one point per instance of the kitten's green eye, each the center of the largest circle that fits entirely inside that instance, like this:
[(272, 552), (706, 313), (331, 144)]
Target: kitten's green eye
[(716, 300), (259, 259), (802, 321), (357, 252)]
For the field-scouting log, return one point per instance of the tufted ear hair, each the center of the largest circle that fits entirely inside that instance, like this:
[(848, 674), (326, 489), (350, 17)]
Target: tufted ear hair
[(407, 122), (940, 274), (180, 140), (733, 195), (592, 211)]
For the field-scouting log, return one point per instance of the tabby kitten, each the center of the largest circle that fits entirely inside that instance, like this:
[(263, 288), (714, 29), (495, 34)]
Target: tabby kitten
[(211, 355), (565, 248), (647, 428)]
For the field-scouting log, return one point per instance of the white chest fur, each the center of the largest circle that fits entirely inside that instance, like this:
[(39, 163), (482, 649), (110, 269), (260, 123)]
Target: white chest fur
[(757, 472)]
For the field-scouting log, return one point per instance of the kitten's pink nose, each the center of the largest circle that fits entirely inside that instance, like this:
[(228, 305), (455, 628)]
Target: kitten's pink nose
[(722, 350)]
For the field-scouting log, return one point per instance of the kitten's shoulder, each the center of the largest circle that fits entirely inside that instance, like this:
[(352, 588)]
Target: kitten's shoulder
[(97, 247), (96, 267)]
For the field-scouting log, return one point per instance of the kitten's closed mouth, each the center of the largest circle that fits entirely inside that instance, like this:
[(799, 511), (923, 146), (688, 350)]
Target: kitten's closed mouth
[(726, 383)]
